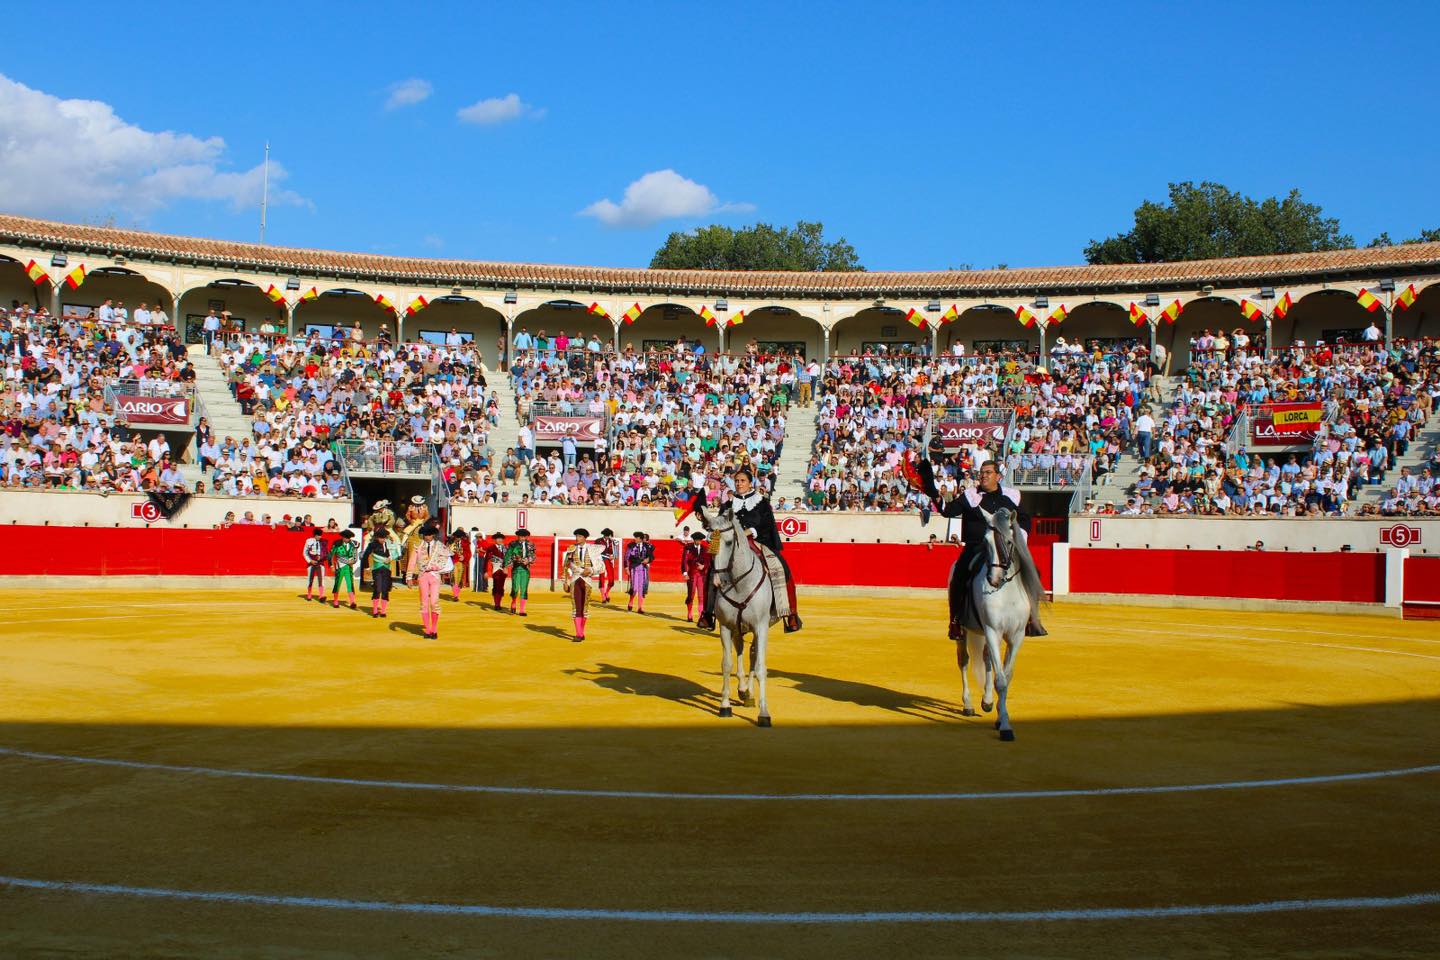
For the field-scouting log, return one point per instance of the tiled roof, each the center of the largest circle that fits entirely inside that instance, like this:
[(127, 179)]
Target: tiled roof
[(1413, 258)]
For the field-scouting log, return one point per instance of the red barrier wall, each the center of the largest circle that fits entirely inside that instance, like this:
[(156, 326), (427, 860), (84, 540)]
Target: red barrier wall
[(1333, 577), (263, 551), (1422, 579)]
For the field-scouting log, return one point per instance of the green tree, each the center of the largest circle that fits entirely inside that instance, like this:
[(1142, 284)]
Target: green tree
[(1426, 236), (761, 247), (1209, 221)]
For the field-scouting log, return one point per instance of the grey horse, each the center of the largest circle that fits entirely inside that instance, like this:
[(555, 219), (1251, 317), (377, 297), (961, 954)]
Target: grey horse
[(744, 601)]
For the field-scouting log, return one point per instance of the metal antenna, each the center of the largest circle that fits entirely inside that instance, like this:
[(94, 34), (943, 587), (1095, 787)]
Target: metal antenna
[(265, 192)]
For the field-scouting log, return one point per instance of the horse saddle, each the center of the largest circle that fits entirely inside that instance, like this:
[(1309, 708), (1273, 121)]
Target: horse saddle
[(781, 608)]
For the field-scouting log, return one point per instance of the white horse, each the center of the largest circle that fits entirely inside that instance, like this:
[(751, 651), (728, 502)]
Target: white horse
[(1002, 596), (744, 600)]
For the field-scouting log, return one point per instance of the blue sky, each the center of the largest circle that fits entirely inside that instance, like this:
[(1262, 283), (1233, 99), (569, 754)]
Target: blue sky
[(929, 135)]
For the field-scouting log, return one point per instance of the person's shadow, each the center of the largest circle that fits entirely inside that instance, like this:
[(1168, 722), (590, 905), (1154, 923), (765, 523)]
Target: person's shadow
[(869, 695), (643, 683), (548, 630), (413, 628)]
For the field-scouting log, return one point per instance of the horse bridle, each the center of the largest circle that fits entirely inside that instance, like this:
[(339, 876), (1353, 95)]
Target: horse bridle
[(998, 561), (739, 605)]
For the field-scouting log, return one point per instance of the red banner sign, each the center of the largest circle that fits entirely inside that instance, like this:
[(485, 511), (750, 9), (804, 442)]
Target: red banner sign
[(1285, 424), (162, 410), (581, 429), (969, 433)]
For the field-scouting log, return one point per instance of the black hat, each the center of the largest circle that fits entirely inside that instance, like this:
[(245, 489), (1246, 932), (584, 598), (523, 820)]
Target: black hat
[(429, 530), (347, 534), (639, 535), (607, 532), (497, 536), (317, 532), (697, 535), (581, 532), (522, 532)]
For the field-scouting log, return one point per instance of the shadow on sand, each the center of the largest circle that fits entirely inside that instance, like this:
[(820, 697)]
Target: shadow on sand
[(643, 683), (915, 705)]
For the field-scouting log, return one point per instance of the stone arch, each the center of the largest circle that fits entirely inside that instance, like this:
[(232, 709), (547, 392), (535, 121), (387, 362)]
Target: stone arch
[(662, 324), (987, 328), (16, 287), (118, 284), (343, 307), (1212, 313), (246, 301), (1423, 317), (1099, 321), (774, 328), (570, 316), (466, 315), (877, 328), (1327, 315)]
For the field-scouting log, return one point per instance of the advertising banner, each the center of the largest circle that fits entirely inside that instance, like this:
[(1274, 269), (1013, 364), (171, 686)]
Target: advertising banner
[(1285, 424), (582, 429), (965, 433), (167, 411)]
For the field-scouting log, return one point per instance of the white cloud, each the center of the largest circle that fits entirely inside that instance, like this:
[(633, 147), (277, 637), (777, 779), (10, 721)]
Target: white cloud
[(77, 158), (660, 195), (433, 241), (495, 110), (407, 93)]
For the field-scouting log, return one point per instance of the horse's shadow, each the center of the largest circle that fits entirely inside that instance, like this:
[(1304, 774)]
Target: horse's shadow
[(643, 683), (869, 695), (695, 631), (549, 631), (663, 616)]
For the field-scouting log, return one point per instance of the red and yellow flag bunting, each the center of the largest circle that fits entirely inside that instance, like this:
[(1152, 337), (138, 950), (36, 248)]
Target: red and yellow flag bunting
[(416, 305), (37, 273), (915, 318), (1172, 312), (1026, 318), (1282, 306), (1368, 300), (75, 277), (599, 311), (1250, 310), (312, 294), (275, 294), (633, 314), (384, 301), (736, 319), (1137, 316), (950, 316), (708, 316), (1404, 301), (1058, 315)]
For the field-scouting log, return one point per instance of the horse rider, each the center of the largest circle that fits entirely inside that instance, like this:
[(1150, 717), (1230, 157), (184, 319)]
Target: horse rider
[(752, 509), (971, 506)]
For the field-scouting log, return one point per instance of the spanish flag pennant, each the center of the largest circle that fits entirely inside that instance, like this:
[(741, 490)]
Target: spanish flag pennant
[(1059, 314), (1368, 300), (275, 294), (384, 301), (1172, 312), (1137, 316), (1404, 301), (416, 305), (950, 316), (599, 311), (75, 277), (708, 316), (312, 294), (37, 273), (633, 314), (1026, 318), (1251, 311), (1282, 306), (916, 318), (685, 504), (736, 320)]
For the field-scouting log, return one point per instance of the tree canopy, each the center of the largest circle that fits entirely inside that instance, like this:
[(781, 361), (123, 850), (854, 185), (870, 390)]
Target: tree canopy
[(761, 247), (1426, 236), (1210, 221)]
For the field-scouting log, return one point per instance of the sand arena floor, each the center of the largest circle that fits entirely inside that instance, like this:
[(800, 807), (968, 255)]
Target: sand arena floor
[(223, 775)]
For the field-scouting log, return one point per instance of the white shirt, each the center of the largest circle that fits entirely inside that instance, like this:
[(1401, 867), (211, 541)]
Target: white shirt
[(1372, 332)]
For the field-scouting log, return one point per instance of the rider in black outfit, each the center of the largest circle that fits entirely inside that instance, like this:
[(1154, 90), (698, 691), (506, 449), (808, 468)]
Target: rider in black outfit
[(754, 512), (989, 496)]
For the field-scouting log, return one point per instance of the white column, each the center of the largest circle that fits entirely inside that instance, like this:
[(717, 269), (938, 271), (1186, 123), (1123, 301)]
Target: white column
[(1395, 577), (1060, 569)]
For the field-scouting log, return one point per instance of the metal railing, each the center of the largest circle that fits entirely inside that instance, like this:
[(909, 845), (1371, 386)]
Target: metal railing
[(387, 457), (1083, 489), (1019, 473)]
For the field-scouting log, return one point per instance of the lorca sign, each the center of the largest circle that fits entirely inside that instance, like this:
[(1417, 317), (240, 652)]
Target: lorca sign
[(166, 410)]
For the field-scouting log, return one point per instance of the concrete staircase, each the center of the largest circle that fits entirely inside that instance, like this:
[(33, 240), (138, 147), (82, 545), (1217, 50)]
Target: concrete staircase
[(1116, 485), (506, 433), (226, 418), (1423, 447), (800, 430)]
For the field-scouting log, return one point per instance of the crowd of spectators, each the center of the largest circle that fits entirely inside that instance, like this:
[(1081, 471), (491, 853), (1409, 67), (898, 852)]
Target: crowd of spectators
[(55, 431), (313, 399)]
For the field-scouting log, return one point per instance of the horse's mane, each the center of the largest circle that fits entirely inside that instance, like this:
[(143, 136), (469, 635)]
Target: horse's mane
[(1029, 573)]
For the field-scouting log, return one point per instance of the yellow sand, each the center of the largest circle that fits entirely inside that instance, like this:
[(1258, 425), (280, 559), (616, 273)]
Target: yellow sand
[(865, 699)]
